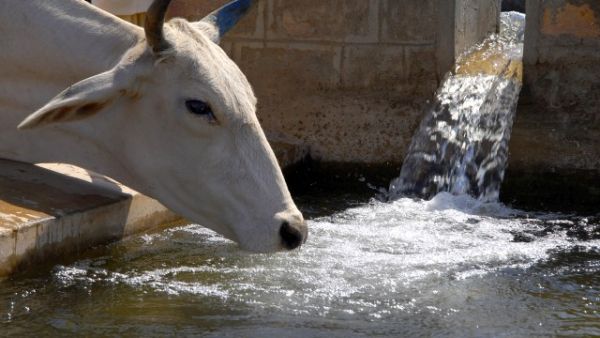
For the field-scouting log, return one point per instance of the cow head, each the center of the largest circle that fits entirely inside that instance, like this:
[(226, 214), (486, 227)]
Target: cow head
[(179, 117)]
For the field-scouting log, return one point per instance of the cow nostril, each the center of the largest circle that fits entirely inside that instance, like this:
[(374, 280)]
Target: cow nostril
[(290, 236)]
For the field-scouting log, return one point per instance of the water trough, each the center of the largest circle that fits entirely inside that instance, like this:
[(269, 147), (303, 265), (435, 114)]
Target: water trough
[(55, 210)]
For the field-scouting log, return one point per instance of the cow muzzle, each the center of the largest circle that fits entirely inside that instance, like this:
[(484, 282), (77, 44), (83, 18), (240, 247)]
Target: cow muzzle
[(293, 234)]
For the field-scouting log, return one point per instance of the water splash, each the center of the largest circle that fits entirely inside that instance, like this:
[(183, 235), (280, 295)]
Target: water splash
[(366, 262), (461, 146)]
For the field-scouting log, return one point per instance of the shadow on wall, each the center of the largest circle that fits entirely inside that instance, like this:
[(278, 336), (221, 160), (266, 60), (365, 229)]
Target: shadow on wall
[(513, 5)]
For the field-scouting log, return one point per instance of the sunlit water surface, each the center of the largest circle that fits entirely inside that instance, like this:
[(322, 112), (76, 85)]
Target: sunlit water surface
[(449, 266)]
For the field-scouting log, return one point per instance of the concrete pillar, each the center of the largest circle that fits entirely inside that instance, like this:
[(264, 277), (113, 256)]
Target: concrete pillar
[(555, 147), (558, 124), (461, 24)]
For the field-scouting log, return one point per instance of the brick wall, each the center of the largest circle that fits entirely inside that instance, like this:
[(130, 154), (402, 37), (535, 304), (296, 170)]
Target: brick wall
[(347, 79)]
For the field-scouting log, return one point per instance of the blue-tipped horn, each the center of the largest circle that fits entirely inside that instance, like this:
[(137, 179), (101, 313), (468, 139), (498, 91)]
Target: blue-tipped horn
[(226, 17)]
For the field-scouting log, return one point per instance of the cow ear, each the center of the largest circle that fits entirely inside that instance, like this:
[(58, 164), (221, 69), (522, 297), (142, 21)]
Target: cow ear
[(81, 100)]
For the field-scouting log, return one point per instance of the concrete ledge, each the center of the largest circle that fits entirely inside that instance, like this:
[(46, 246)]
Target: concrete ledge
[(55, 210)]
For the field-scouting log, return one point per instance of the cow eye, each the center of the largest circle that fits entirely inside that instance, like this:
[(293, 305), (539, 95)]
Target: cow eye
[(200, 108)]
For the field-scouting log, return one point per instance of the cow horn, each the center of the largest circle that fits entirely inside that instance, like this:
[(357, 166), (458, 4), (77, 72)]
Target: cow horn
[(155, 19), (226, 17)]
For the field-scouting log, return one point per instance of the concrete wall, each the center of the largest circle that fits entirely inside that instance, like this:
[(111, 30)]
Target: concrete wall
[(348, 79), (558, 123), (555, 146), (474, 21)]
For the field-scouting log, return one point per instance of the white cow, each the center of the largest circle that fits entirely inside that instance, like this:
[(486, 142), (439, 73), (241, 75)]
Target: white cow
[(123, 7), (161, 109)]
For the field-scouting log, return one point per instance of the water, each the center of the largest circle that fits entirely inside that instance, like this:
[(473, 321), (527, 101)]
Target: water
[(448, 266), (461, 146)]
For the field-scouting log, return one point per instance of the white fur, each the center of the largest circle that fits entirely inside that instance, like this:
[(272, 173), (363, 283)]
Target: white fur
[(123, 7), (223, 176)]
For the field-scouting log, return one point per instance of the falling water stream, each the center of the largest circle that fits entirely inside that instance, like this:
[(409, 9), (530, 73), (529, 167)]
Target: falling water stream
[(462, 144), (453, 265)]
